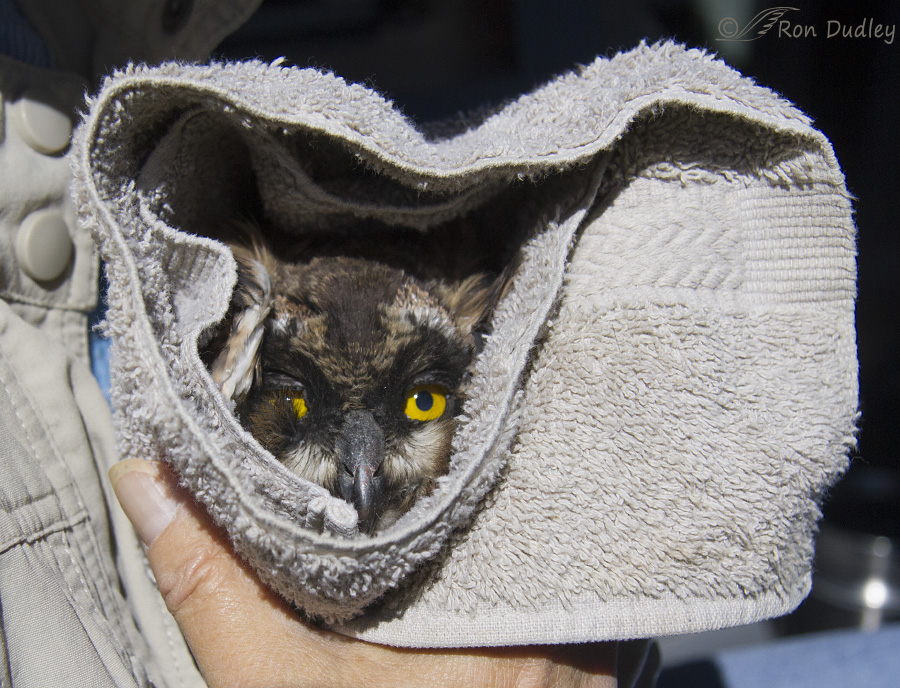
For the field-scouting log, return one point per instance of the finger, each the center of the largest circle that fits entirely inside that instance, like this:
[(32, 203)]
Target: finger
[(236, 627), (143, 496)]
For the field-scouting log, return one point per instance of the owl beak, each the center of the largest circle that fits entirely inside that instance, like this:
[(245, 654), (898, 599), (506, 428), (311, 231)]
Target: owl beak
[(360, 449)]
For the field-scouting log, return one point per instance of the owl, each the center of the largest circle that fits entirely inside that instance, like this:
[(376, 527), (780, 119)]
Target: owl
[(350, 369)]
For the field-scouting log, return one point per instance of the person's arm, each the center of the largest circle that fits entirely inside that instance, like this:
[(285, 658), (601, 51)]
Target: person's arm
[(243, 634)]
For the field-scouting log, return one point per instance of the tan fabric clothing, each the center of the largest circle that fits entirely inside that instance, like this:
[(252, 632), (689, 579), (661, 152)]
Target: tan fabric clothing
[(78, 605)]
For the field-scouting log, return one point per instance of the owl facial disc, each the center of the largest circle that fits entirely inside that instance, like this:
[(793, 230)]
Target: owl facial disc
[(351, 370)]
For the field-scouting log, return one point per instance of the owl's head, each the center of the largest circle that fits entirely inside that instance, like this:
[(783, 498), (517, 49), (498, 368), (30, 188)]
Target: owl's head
[(350, 371)]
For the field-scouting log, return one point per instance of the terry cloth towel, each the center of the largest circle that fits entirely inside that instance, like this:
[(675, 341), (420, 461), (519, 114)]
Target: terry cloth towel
[(668, 389)]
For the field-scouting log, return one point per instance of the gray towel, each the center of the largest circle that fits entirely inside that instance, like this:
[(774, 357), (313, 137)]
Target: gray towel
[(669, 387)]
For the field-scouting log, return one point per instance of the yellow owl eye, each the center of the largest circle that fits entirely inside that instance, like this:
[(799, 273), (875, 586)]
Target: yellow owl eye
[(426, 402), (299, 404)]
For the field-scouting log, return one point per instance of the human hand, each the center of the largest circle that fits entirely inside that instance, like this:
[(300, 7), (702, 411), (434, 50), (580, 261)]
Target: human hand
[(243, 634)]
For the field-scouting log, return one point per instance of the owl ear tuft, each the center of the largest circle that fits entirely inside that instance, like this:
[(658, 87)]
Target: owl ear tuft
[(235, 365), (472, 301)]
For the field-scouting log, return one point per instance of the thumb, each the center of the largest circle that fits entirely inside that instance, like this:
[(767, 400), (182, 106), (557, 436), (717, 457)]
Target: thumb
[(242, 634), (221, 607)]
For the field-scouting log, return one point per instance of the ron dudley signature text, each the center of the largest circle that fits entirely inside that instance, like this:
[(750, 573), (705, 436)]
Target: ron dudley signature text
[(779, 20), (867, 28)]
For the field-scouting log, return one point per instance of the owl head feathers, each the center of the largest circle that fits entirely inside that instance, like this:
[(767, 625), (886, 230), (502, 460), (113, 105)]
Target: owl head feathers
[(350, 370)]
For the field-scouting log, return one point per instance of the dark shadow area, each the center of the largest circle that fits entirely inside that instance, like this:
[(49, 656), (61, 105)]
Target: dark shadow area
[(691, 675)]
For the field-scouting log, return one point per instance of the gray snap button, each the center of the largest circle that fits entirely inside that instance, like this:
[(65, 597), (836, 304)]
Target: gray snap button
[(43, 127), (43, 245)]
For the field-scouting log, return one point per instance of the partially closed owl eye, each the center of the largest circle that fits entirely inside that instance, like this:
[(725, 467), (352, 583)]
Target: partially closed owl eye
[(426, 402), (293, 398), (299, 404)]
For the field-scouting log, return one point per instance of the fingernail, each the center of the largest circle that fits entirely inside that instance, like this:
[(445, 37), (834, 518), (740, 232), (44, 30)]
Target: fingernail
[(144, 495)]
